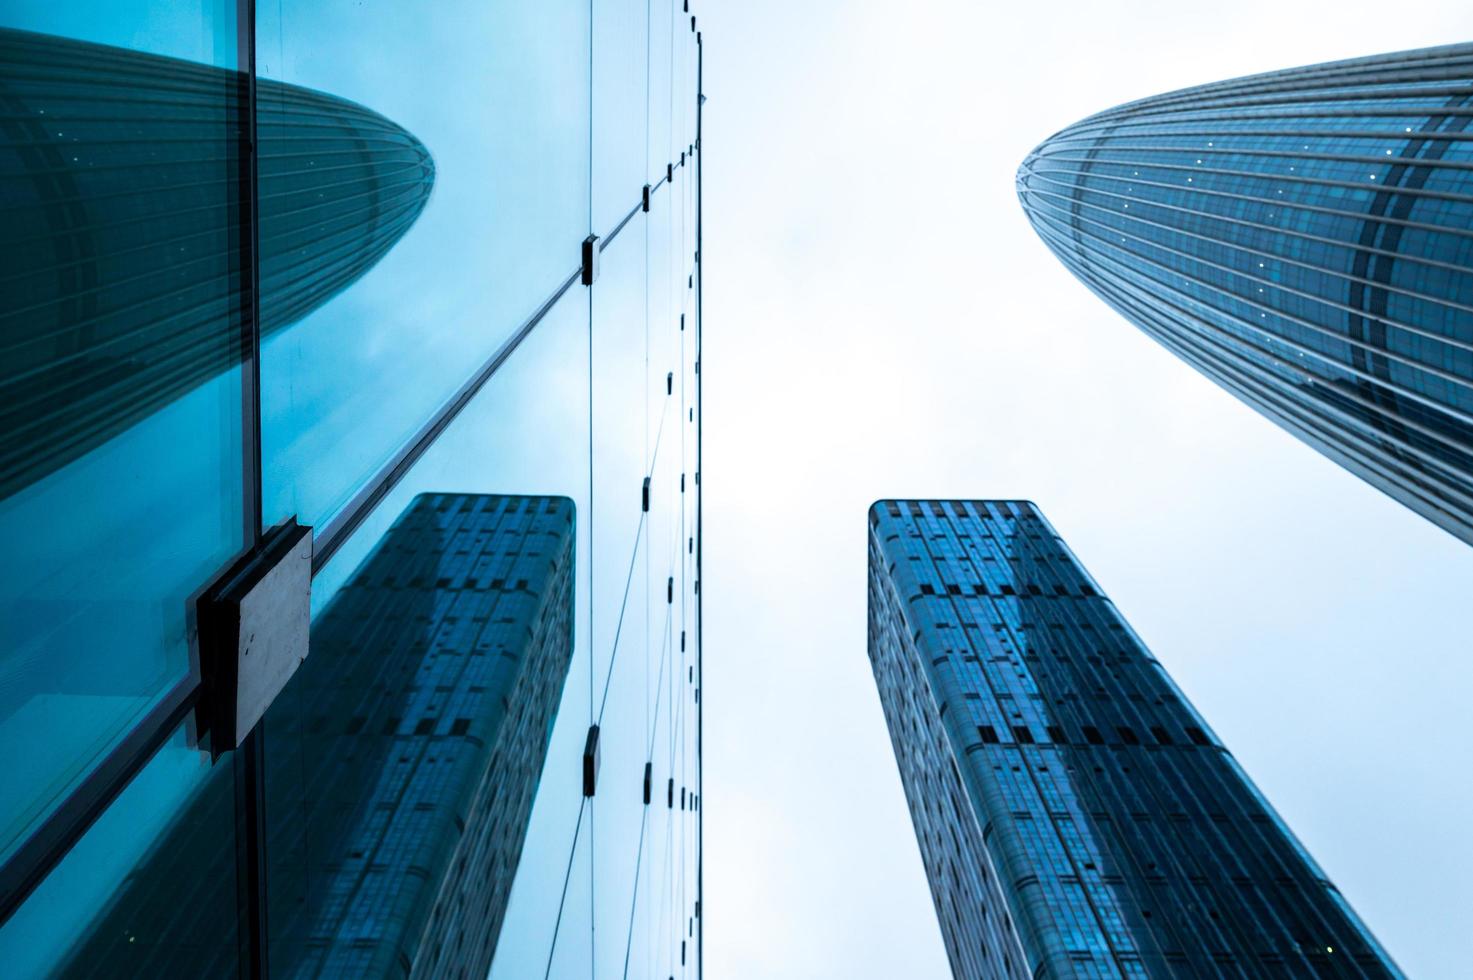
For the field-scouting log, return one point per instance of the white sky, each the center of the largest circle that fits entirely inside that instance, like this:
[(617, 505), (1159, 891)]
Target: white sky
[(881, 321)]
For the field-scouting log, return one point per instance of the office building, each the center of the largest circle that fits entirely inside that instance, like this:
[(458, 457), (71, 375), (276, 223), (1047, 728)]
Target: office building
[(1305, 239), (350, 617), (1075, 815)]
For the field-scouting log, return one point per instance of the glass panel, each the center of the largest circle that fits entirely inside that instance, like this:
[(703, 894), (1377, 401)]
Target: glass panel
[(624, 442), (413, 739), (620, 116), (149, 890), (119, 344), (366, 768), (663, 20), (428, 190)]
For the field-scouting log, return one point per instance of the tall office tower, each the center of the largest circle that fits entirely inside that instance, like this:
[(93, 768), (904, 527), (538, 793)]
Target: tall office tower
[(1077, 818), (406, 752), (1305, 239), (307, 304)]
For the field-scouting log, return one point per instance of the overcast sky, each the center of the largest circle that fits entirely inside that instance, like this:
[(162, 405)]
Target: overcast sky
[(880, 321)]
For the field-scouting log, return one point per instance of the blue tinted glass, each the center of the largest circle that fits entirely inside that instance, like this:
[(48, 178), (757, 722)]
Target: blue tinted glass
[(149, 890), (119, 344), (664, 19), (620, 109), (526, 432), (624, 444), (424, 190)]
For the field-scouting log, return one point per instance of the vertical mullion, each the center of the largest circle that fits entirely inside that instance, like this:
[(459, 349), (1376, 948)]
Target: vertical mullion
[(700, 495), (250, 843)]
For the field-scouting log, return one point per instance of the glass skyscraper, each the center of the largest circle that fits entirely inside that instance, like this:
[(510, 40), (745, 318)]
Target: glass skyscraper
[(1075, 815), (428, 287), (1305, 239)]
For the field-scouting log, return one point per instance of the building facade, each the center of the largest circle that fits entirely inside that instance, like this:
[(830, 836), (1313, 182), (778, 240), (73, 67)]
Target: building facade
[(429, 289), (1075, 815), (1305, 239)]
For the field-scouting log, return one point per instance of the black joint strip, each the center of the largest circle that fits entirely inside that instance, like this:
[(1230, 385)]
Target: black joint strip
[(590, 762), (590, 259), (644, 503), (645, 200), (669, 382)]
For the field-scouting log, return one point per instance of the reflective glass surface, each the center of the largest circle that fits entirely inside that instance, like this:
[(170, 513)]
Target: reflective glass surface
[(120, 332), (526, 433), (621, 108), (1305, 239), (428, 220), (487, 761), (149, 890)]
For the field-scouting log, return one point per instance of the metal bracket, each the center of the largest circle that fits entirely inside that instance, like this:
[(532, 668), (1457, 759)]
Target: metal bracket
[(590, 260), (253, 625), (590, 762)]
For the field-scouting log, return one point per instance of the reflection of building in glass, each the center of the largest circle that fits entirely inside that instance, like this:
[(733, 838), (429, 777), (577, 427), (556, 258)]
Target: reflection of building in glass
[(1076, 817), (1304, 238), (121, 284), (402, 763)]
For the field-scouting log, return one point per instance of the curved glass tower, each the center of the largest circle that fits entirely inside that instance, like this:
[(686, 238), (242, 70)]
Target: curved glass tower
[(1304, 238)]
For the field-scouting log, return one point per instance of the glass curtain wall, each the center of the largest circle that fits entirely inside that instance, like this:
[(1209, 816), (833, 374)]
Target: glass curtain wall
[(319, 261)]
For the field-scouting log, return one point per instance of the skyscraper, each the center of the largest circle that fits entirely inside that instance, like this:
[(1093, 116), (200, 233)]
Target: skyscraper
[(1076, 817), (1305, 239), (306, 305)]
